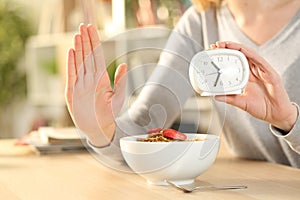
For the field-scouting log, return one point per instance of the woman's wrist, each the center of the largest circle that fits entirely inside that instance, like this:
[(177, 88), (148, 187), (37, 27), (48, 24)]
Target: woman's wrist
[(287, 124), (104, 137)]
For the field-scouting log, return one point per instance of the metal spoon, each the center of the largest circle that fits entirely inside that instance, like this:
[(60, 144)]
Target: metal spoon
[(189, 188)]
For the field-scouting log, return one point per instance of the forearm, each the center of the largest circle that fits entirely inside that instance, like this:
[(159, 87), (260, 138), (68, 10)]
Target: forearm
[(111, 155), (293, 136)]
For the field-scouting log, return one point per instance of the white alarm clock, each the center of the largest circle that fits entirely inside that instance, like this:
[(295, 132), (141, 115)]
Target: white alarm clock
[(219, 72)]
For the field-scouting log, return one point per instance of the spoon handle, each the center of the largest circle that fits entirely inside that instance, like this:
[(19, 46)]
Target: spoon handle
[(220, 187)]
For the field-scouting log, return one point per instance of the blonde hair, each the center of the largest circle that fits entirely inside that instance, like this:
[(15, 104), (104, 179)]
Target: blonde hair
[(201, 5)]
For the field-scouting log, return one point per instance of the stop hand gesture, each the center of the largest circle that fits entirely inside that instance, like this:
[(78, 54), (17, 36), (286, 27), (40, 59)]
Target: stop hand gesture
[(91, 101)]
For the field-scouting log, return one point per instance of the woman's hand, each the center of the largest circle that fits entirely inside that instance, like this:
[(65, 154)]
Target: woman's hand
[(265, 96), (91, 101)]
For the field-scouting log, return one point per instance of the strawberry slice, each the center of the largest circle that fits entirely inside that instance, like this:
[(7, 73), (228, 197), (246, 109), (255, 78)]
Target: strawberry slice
[(173, 134), (154, 130)]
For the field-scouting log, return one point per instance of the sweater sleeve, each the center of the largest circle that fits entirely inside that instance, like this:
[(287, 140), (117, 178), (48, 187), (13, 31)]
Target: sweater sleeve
[(292, 137), (163, 96)]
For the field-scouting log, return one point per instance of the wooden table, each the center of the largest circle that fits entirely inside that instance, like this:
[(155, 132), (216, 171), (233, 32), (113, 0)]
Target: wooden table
[(24, 175)]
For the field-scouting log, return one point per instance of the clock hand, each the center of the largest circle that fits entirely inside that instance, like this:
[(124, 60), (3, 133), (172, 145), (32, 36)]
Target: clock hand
[(212, 73), (218, 77), (214, 64)]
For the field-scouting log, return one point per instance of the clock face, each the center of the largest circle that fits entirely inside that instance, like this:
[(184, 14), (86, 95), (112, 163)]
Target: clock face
[(219, 71)]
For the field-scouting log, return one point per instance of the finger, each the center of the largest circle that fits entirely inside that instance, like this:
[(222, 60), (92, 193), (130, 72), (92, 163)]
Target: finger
[(264, 69), (236, 46), (220, 44), (119, 88), (72, 72), (120, 74), (249, 53), (256, 72), (87, 50), (71, 77), (78, 55), (235, 100), (213, 46), (99, 59)]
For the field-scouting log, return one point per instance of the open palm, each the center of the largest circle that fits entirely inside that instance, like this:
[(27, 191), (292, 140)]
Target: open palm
[(91, 101)]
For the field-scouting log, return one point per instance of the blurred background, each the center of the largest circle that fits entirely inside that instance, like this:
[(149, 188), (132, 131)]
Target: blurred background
[(35, 36)]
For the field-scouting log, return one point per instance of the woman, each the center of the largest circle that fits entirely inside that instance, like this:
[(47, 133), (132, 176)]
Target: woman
[(260, 124)]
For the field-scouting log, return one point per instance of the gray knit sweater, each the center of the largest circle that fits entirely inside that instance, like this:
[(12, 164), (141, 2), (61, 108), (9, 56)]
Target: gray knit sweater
[(163, 97)]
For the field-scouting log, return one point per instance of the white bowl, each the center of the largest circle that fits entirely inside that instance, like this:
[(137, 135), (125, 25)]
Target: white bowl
[(180, 162)]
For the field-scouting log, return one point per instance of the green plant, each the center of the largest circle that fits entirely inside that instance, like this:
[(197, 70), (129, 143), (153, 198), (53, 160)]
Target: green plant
[(111, 70), (50, 66), (14, 30)]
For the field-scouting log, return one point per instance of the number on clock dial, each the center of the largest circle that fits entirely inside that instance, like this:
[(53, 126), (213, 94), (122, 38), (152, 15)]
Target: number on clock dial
[(223, 71)]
